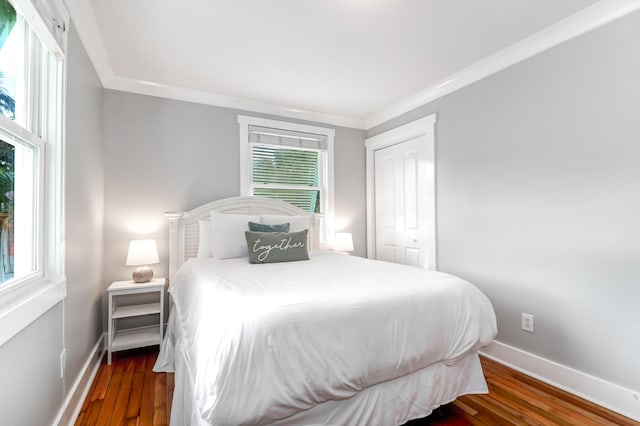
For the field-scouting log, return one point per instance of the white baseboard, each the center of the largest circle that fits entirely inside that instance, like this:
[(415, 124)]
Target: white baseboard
[(606, 394), (75, 398)]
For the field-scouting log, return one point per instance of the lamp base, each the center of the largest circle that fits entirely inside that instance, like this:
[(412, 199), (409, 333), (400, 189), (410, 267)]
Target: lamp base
[(142, 274)]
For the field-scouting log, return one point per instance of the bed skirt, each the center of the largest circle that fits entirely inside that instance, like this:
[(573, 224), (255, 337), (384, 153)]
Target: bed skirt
[(390, 403), (397, 401)]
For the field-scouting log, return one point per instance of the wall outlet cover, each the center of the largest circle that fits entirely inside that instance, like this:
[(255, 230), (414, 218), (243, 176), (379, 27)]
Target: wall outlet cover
[(527, 322), (63, 362)]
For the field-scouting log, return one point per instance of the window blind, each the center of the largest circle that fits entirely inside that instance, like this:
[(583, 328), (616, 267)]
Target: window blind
[(287, 174), (308, 201), (284, 166)]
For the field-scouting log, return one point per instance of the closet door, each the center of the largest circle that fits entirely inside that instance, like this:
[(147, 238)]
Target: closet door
[(403, 193)]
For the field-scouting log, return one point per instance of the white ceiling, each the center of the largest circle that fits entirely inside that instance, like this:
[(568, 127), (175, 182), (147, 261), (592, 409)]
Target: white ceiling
[(347, 60)]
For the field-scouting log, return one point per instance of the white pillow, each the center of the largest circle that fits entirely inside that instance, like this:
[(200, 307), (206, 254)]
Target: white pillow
[(227, 234), (204, 238), (296, 223)]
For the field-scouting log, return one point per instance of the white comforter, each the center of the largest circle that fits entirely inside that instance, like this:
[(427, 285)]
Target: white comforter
[(263, 342)]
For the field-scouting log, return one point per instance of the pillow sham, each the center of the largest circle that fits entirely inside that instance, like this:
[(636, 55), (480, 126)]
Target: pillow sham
[(296, 223), (272, 247), (204, 238), (261, 227), (227, 239)]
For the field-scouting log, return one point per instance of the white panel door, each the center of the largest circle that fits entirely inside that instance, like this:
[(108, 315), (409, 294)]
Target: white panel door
[(404, 203)]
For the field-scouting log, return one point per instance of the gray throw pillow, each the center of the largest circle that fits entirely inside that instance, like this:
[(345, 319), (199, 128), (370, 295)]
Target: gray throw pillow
[(261, 227), (271, 247)]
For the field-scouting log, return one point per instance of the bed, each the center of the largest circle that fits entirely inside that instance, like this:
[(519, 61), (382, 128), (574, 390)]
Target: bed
[(332, 340)]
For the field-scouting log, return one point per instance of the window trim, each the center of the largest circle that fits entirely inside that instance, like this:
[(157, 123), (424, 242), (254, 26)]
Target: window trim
[(25, 303), (245, 121), (26, 299), (51, 32)]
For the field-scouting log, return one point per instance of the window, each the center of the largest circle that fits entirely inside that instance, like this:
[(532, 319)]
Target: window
[(287, 173), (18, 195), (289, 162), (31, 130)]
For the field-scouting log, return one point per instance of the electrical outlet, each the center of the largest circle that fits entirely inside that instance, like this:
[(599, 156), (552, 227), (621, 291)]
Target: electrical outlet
[(63, 362), (527, 322)]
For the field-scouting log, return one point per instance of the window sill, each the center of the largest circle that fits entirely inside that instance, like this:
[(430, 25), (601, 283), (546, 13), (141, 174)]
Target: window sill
[(26, 304)]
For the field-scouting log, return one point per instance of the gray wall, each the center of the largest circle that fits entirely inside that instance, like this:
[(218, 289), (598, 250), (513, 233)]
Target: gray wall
[(84, 206), (538, 172), (31, 391), (166, 155)]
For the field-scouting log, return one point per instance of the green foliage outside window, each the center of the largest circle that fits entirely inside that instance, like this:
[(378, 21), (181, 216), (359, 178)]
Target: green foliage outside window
[(275, 166), (7, 22), (7, 185)]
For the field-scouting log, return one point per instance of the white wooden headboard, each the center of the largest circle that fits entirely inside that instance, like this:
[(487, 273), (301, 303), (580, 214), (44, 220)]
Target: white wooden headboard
[(184, 227)]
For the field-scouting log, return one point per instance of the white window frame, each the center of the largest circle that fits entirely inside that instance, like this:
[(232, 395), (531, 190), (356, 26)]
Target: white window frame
[(326, 218), (25, 299)]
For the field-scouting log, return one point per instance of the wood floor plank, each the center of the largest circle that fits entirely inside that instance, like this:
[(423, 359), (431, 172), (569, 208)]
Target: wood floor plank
[(464, 407), (106, 411), (131, 422), (477, 419), (148, 393), (160, 401), (496, 410), (124, 393), (102, 382), (135, 397), (91, 414), (141, 364)]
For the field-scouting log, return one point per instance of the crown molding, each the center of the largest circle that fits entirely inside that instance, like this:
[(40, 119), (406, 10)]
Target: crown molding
[(209, 98), (573, 26)]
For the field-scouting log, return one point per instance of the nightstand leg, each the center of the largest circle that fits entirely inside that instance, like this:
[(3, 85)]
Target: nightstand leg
[(110, 331)]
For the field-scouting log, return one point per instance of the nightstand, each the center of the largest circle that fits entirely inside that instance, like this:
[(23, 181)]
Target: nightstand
[(122, 339)]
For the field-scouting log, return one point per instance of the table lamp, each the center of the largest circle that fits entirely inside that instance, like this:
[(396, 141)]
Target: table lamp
[(142, 253), (343, 241)]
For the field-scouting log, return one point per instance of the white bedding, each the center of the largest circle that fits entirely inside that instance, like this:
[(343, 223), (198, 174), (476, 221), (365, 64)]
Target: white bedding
[(261, 343)]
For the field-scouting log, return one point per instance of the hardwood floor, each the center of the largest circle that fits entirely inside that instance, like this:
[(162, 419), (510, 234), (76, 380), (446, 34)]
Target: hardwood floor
[(517, 399), (128, 393)]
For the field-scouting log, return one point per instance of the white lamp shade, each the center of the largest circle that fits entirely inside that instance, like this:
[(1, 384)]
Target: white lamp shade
[(142, 252), (343, 241)]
